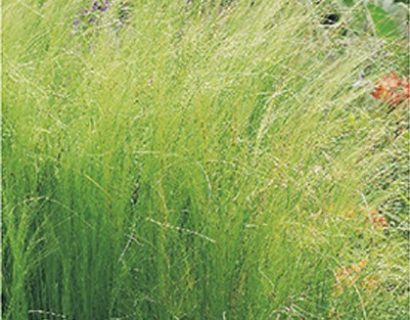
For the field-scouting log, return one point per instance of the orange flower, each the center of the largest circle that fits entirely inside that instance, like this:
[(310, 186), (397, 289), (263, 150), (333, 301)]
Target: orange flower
[(378, 219), (406, 88), (371, 283), (392, 90), (348, 276), (363, 263), (391, 81), (384, 87), (345, 277), (357, 267)]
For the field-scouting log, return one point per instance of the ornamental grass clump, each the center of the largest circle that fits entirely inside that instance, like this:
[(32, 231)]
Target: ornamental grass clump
[(200, 162)]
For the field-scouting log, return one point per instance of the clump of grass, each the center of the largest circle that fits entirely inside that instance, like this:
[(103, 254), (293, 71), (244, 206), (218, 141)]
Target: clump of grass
[(201, 162)]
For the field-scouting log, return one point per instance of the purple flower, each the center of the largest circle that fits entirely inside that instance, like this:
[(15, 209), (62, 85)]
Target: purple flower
[(99, 6), (106, 6), (92, 14)]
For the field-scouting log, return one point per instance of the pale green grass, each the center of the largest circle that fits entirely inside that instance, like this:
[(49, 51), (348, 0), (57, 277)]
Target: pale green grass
[(196, 163)]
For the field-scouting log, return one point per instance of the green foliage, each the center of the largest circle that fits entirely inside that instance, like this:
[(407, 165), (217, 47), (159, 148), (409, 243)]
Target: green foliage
[(384, 24)]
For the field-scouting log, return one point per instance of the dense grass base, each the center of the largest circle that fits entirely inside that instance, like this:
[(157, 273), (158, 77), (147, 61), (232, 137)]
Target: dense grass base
[(178, 160)]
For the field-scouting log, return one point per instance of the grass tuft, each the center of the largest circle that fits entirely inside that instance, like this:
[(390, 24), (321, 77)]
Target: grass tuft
[(196, 160)]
